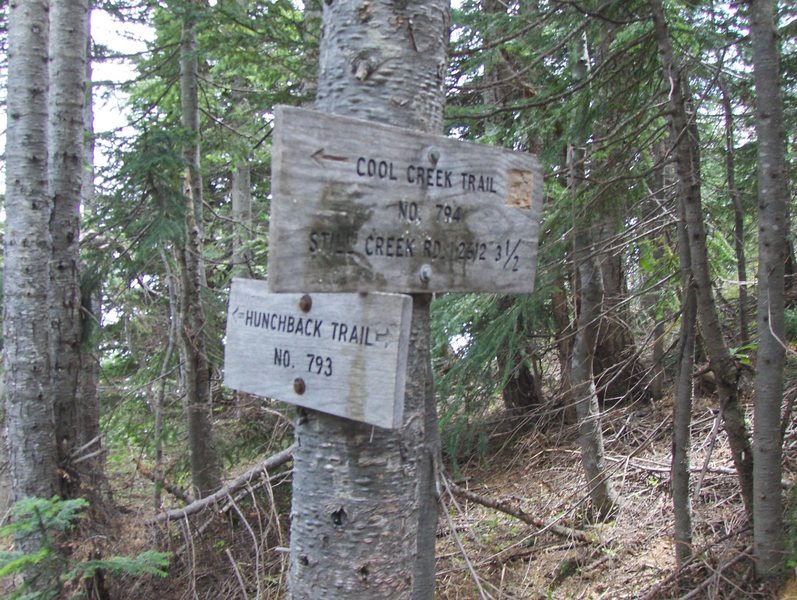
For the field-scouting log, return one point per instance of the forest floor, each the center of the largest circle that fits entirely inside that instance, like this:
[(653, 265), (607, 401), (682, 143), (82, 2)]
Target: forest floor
[(239, 549), (488, 554)]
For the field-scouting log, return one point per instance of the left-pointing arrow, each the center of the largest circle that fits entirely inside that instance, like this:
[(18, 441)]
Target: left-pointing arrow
[(319, 156)]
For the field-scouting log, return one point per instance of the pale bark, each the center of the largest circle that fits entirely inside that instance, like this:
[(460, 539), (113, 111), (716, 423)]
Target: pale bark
[(205, 468), (68, 45), (773, 227), (364, 513), (28, 402), (683, 131)]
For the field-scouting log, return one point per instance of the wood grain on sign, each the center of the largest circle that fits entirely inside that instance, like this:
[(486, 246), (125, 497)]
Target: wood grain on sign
[(343, 354), (360, 206)]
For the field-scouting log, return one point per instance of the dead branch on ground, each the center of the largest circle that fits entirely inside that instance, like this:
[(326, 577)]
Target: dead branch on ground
[(505, 507), (224, 493)]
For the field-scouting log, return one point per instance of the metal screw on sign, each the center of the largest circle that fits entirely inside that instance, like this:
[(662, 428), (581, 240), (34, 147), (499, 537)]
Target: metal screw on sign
[(299, 386), (305, 303), (425, 273)]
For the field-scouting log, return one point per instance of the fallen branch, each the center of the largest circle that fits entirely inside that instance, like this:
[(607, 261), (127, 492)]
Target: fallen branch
[(505, 507), (175, 491), (272, 462)]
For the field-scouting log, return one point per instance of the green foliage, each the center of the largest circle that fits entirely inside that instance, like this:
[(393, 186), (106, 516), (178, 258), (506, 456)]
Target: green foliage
[(46, 570), (790, 318)]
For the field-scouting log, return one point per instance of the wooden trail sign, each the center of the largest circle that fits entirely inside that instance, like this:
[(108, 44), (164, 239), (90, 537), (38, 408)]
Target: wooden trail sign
[(343, 354), (360, 206)]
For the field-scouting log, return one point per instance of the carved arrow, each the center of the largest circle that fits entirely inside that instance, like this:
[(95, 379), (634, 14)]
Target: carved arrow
[(319, 156)]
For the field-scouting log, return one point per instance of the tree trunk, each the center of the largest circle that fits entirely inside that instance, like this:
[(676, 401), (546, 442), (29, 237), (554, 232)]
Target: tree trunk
[(90, 312), (241, 192), (29, 407), (585, 397), (682, 409), (205, 469), (364, 513), (683, 131), (773, 227), (619, 372), (564, 346), (68, 44), (521, 390), (738, 213)]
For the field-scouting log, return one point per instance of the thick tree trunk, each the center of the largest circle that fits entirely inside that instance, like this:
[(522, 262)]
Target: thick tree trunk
[(29, 407), (773, 227), (364, 513), (68, 45), (687, 153), (205, 469)]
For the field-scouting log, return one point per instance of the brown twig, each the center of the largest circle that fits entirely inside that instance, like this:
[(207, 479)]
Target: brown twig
[(174, 490), (505, 507)]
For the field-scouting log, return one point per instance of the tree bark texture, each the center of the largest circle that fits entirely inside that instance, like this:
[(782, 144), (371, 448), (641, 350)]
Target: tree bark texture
[(67, 96), (682, 409), (618, 369), (773, 227), (205, 469), (364, 512), (26, 327), (585, 397), (91, 308), (589, 276), (683, 131)]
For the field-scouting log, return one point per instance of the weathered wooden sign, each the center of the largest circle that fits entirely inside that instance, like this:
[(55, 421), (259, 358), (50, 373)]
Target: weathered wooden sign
[(343, 354), (359, 206)]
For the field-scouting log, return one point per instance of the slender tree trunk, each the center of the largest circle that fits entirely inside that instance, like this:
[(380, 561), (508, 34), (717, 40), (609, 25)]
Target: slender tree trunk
[(26, 339), (619, 372), (738, 213), (682, 409), (564, 346), (364, 513), (590, 280), (68, 44), (241, 192), (773, 227), (91, 313), (205, 469), (174, 319), (585, 397), (687, 153)]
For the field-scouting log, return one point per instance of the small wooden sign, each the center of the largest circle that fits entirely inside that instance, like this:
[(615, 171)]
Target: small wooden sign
[(343, 354), (360, 206)]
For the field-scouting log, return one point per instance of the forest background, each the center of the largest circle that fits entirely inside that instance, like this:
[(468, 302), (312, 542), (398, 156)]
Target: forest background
[(643, 115)]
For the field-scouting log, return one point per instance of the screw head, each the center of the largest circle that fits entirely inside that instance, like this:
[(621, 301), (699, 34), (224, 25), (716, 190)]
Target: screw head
[(425, 273), (305, 303), (299, 386)]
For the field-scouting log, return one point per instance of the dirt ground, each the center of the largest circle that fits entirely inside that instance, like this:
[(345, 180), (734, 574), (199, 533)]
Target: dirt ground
[(488, 554)]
